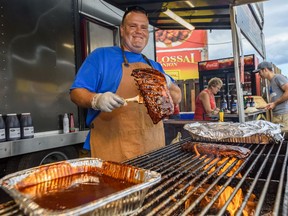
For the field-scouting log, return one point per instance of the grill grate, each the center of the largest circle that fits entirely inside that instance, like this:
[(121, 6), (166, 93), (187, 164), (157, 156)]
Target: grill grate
[(262, 176), (190, 178), (10, 209)]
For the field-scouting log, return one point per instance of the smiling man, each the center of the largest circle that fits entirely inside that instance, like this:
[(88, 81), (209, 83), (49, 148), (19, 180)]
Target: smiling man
[(119, 132), (134, 31)]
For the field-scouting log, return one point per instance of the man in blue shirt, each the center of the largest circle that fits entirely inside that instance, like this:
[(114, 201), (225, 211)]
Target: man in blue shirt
[(119, 132)]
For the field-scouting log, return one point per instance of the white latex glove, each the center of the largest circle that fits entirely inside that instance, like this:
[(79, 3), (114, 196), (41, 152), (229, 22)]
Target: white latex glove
[(107, 102), (168, 80)]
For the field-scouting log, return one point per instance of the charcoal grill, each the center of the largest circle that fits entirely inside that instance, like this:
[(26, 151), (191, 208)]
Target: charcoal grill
[(262, 175)]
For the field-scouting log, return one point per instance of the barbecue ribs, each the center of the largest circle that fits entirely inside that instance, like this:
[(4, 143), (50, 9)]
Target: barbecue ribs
[(216, 149), (153, 88)]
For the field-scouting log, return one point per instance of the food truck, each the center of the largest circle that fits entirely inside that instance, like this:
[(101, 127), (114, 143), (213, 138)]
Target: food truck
[(39, 64), (43, 44)]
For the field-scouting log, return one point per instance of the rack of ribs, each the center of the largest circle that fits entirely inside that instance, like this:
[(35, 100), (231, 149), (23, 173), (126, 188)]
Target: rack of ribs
[(216, 149), (152, 86)]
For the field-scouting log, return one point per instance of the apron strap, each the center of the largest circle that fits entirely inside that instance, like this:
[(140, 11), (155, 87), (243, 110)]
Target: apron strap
[(126, 61), (147, 60)]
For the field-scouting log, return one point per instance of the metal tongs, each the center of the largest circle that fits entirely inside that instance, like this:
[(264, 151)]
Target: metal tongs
[(138, 99)]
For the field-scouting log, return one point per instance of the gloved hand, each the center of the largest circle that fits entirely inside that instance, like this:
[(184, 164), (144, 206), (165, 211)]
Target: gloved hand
[(107, 102), (168, 80)]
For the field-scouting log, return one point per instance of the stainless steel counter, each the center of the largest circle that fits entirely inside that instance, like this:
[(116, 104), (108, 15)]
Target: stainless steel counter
[(41, 141)]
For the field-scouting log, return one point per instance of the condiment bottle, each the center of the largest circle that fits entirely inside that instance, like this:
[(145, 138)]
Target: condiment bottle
[(247, 102), (252, 102), (65, 124), (221, 115), (233, 105), (223, 103), (228, 101), (2, 129), (12, 127), (71, 123), (27, 128)]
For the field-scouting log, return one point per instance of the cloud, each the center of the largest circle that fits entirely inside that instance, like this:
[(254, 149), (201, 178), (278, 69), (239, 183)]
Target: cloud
[(275, 8), (219, 44), (275, 33)]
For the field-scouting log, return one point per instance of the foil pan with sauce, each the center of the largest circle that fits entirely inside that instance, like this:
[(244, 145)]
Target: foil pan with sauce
[(80, 187), (259, 131)]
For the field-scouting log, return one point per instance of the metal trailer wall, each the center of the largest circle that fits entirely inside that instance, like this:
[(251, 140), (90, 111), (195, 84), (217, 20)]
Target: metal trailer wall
[(40, 53), (37, 60), (110, 15)]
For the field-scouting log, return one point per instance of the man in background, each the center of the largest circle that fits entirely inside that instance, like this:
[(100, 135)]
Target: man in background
[(278, 94)]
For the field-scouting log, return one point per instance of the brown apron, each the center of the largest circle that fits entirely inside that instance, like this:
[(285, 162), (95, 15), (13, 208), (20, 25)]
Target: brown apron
[(128, 131)]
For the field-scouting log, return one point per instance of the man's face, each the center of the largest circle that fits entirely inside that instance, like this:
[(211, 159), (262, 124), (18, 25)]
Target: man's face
[(134, 32), (262, 73)]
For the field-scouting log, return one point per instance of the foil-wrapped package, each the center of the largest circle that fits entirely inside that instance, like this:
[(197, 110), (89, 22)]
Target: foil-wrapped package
[(259, 132)]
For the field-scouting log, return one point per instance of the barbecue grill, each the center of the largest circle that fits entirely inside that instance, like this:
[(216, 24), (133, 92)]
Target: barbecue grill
[(195, 185)]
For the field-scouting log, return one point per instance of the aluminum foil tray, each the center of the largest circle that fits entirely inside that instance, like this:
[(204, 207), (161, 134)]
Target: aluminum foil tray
[(123, 202), (257, 132)]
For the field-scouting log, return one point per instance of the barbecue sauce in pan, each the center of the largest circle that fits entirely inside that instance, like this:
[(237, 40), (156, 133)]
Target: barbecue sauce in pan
[(75, 190)]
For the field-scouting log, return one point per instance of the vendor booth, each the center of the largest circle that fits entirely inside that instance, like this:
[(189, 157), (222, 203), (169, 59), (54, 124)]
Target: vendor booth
[(213, 168), (240, 16)]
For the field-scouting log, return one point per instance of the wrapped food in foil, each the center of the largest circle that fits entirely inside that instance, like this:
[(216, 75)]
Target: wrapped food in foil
[(71, 187), (259, 132)]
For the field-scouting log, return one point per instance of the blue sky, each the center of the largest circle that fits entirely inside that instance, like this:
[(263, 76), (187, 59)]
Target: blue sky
[(275, 32)]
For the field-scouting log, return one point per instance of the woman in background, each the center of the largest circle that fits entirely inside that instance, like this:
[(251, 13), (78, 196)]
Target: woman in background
[(205, 101)]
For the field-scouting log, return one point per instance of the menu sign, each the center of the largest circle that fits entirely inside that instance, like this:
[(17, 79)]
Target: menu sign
[(179, 51), (251, 27)]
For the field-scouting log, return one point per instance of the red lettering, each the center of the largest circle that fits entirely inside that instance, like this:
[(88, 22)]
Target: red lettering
[(212, 65)]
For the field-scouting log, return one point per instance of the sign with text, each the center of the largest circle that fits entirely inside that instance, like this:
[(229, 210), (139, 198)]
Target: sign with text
[(179, 51), (250, 27)]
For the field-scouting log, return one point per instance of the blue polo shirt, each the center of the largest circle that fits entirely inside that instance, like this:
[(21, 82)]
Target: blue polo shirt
[(101, 72)]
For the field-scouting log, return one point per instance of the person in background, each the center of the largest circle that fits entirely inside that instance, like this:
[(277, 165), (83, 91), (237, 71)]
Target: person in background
[(119, 132), (278, 94), (205, 102)]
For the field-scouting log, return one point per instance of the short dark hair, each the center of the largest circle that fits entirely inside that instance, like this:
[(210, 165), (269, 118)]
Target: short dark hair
[(133, 8)]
